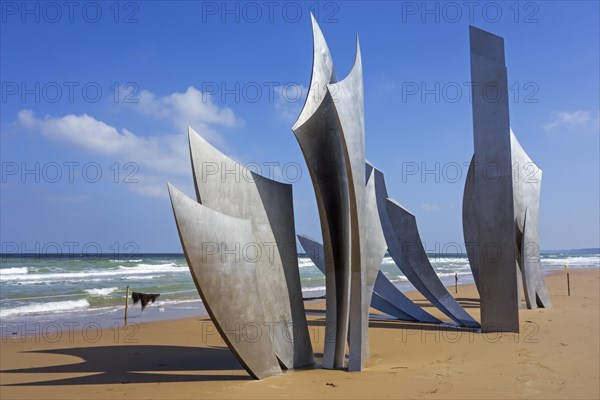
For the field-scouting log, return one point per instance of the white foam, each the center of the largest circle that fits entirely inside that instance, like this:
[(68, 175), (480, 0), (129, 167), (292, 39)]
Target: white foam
[(13, 271), (142, 268), (452, 273), (577, 261), (175, 302), (305, 262), (398, 279), (101, 291), (121, 271), (46, 281), (313, 289), (45, 308), (445, 261), (141, 277), (388, 261)]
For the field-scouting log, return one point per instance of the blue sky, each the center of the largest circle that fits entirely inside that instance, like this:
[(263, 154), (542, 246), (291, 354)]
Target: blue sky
[(96, 100)]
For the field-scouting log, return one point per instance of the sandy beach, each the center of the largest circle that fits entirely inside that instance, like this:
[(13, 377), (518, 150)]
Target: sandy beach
[(556, 355)]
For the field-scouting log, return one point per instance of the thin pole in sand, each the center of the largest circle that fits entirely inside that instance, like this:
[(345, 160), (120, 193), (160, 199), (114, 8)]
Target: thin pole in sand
[(456, 282), (126, 305), (568, 281)]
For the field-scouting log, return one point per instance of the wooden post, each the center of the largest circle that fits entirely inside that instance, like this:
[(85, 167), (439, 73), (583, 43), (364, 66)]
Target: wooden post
[(568, 281), (126, 305), (456, 282)]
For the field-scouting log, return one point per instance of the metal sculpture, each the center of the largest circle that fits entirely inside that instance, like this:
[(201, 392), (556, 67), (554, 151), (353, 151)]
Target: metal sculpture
[(348, 100), (240, 238), (228, 287), (226, 186), (406, 249), (316, 131), (495, 229), (527, 178), (399, 230), (331, 134), (386, 297), (499, 216)]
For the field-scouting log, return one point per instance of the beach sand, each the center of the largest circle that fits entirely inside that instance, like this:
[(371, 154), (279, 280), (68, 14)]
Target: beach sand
[(556, 355)]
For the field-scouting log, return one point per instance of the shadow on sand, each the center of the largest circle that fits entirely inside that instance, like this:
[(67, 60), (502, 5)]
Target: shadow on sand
[(384, 321), (138, 364)]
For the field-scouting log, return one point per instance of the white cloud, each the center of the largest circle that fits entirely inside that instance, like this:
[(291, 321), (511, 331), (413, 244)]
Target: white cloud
[(190, 108), (160, 157), (163, 154), (569, 120)]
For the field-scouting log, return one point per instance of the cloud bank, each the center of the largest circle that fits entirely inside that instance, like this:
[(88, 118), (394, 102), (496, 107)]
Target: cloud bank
[(160, 158)]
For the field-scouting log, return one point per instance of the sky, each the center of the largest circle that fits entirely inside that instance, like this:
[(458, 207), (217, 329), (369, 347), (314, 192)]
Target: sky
[(96, 98)]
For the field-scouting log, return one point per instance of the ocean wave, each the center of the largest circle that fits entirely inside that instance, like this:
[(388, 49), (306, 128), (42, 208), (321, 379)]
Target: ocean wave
[(452, 273), (576, 261), (305, 262), (152, 267), (175, 302), (101, 291), (50, 282), (388, 261), (452, 269), (13, 271), (448, 261), (313, 289), (45, 308), (141, 277), (120, 271)]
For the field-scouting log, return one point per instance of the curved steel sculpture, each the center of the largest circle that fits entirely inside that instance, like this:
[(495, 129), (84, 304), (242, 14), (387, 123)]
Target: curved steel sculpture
[(227, 187), (331, 133), (228, 286), (238, 239), (470, 224), (496, 211), (406, 249), (374, 248), (385, 297), (527, 178), (348, 101), (317, 133)]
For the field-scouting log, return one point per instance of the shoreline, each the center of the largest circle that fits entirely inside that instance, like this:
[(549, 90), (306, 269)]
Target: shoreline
[(101, 319), (554, 356), (111, 318), (45, 290)]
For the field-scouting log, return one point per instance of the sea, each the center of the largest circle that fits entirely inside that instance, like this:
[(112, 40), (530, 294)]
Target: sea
[(76, 290)]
